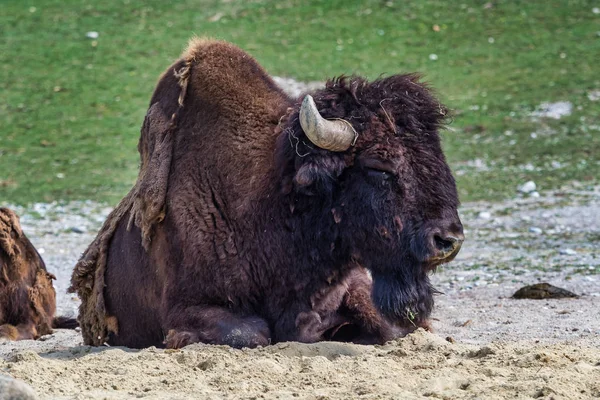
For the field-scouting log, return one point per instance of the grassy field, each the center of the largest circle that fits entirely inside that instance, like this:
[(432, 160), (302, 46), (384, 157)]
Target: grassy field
[(71, 106)]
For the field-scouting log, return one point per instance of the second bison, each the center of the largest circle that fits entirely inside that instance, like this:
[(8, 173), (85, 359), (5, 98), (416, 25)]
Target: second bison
[(27, 297), (256, 216)]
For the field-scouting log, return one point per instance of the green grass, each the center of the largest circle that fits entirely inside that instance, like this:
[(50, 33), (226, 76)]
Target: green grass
[(70, 112)]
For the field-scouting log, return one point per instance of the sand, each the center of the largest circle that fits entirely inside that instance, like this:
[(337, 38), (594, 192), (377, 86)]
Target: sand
[(420, 365)]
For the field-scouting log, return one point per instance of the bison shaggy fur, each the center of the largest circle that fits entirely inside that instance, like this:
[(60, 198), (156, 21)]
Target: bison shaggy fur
[(241, 231)]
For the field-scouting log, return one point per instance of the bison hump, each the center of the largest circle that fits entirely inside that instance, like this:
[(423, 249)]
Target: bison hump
[(228, 76)]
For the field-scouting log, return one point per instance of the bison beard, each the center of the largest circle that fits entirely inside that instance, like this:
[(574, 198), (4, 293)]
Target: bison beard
[(255, 215), (405, 299)]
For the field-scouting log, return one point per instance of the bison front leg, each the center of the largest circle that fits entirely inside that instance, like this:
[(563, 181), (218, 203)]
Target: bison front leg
[(214, 325), (358, 305)]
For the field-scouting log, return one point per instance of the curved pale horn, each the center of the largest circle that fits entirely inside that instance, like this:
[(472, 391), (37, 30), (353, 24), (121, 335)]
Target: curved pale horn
[(333, 135)]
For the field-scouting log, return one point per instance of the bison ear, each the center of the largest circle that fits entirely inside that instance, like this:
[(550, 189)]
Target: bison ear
[(318, 175)]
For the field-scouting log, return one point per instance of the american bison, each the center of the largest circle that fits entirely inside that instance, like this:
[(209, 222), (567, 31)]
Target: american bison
[(27, 297), (256, 216)]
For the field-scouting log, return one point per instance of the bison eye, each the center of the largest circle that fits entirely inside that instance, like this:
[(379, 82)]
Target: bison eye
[(379, 174)]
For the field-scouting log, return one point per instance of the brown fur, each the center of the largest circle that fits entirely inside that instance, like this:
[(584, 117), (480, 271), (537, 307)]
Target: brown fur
[(145, 204), (27, 298), (238, 231)]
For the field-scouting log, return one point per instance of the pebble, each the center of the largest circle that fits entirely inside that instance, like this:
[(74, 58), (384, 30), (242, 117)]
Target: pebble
[(527, 187), (92, 35), (567, 252), (536, 230), (13, 389), (553, 110), (484, 215), (534, 194)]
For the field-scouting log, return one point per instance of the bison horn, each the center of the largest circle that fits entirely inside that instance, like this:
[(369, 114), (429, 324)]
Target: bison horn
[(333, 135)]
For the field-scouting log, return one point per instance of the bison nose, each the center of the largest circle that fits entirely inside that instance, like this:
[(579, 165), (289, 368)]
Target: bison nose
[(445, 246)]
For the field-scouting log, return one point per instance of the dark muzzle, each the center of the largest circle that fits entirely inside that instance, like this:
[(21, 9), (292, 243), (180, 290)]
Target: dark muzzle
[(444, 243)]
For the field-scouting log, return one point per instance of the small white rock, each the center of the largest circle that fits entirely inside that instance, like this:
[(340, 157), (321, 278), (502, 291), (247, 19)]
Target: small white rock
[(554, 110), (534, 194), (529, 167), (594, 95), (536, 230), (92, 35), (567, 252), (528, 187), (484, 215), (433, 57)]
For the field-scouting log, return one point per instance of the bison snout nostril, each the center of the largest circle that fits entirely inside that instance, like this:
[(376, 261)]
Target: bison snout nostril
[(444, 245), (448, 243)]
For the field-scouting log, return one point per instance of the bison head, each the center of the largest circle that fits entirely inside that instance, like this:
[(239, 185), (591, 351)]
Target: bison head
[(363, 168)]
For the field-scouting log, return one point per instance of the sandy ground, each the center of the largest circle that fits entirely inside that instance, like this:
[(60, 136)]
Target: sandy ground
[(486, 345), (421, 365)]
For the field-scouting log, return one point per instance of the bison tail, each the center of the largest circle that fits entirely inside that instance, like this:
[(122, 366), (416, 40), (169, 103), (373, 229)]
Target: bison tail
[(64, 323)]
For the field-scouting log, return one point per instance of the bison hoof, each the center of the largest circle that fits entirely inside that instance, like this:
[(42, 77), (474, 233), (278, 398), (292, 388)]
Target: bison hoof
[(241, 337), (177, 340), (401, 331), (238, 336), (8, 332), (426, 324)]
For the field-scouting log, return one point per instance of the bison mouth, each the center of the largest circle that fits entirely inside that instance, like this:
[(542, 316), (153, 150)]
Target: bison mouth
[(431, 264), (405, 299)]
